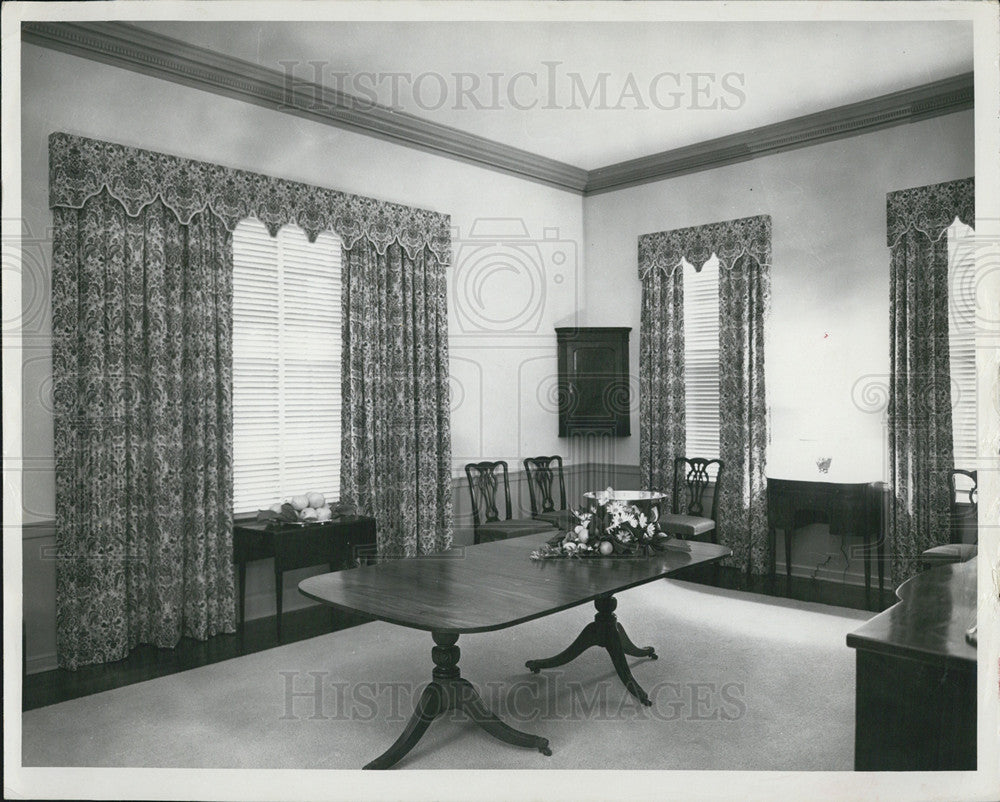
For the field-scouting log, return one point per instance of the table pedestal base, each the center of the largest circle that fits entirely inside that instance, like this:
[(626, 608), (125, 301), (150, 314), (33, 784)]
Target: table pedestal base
[(448, 690), (604, 631)]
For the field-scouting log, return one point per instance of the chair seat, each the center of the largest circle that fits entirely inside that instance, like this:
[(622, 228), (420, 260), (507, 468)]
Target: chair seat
[(516, 527), (949, 553), (686, 525), (564, 520)]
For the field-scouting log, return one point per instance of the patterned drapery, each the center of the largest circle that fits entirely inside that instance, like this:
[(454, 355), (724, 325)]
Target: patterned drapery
[(744, 301), (142, 311), (142, 372), (396, 438), (919, 409), (662, 416), (743, 248)]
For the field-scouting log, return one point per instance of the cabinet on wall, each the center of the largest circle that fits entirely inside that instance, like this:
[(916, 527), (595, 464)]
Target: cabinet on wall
[(594, 392)]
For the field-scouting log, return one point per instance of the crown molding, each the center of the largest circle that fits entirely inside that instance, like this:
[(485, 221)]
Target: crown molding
[(134, 48), (137, 49), (930, 100)]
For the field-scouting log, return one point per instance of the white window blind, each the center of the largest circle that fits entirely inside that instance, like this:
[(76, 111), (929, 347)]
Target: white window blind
[(286, 365), (962, 341), (701, 359)]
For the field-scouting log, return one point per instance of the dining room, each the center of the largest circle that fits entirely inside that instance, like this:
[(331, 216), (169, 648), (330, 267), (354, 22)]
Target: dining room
[(440, 389)]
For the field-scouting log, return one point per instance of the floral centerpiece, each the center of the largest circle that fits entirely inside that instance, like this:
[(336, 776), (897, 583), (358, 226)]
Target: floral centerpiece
[(613, 527)]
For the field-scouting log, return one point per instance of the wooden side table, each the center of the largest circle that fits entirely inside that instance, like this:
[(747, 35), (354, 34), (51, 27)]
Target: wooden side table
[(848, 508), (341, 543)]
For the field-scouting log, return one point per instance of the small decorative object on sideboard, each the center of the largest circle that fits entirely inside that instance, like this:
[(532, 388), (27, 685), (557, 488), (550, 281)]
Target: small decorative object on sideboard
[(612, 527), (823, 463), (307, 508)]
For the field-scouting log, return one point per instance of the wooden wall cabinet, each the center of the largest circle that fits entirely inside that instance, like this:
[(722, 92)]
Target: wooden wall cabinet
[(594, 392)]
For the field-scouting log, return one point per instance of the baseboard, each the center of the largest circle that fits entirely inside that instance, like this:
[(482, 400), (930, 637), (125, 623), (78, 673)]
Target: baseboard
[(826, 575), (41, 662)]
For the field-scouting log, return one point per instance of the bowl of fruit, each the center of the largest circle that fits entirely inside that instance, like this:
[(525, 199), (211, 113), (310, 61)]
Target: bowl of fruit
[(301, 510)]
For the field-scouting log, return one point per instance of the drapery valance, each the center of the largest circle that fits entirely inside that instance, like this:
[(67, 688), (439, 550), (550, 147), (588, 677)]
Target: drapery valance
[(729, 240), (80, 168), (930, 210)]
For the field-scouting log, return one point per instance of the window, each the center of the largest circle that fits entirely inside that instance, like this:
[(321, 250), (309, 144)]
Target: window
[(962, 341), (701, 358), (286, 365)]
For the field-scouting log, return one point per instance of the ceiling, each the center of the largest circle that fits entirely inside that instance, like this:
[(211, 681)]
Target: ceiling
[(537, 85)]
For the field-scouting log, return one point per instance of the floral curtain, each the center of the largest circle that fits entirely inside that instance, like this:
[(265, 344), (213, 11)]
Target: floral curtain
[(743, 248), (919, 410), (661, 371), (396, 439), (142, 309), (142, 370)]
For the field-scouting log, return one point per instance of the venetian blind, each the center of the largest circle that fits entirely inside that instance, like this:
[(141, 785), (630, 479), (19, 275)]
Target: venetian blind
[(962, 341), (286, 365), (701, 359)]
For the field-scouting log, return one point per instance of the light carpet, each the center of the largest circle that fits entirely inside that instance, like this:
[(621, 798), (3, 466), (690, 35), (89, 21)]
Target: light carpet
[(742, 682)]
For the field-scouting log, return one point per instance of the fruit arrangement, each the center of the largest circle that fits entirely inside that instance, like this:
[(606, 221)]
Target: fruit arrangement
[(304, 508)]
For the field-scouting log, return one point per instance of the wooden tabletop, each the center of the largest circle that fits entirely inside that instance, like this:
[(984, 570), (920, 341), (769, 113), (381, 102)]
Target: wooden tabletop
[(929, 622), (492, 585)]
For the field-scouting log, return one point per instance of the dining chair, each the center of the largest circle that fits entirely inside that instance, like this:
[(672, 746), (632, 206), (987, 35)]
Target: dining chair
[(484, 487), (541, 473), (688, 517), (964, 519)]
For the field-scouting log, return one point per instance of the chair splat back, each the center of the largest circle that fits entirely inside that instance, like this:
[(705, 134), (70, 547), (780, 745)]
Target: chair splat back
[(484, 483), (541, 473), (964, 517), (963, 513), (691, 479)]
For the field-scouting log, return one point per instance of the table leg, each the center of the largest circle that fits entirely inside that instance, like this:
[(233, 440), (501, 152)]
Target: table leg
[(881, 565), (279, 588), (448, 690), (243, 594), (606, 632), (772, 552), (869, 555), (788, 555)]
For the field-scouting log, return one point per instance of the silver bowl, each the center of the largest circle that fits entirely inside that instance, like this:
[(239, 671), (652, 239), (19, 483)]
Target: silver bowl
[(645, 500)]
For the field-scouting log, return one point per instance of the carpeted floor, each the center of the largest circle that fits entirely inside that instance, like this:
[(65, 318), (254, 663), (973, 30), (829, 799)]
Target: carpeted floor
[(743, 682)]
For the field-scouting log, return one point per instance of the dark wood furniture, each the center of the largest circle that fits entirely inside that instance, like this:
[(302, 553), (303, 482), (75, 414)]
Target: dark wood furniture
[(848, 508), (484, 486), (915, 706), (542, 473), (688, 517), (964, 520), (594, 391), (340, 544), (490, 587)]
